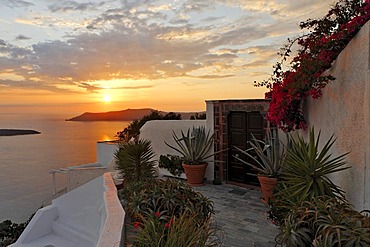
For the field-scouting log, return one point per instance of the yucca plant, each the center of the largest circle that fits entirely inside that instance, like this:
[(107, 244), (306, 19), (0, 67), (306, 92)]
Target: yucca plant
[(134, 160), (269, 160), (307, 168), (194, 146)]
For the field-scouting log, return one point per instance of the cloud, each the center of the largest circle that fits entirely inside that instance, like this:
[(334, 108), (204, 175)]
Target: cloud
[(197, 5), (94, 87), (149, 40), (66, 6), (22, 37), (212, 76), (16, 3)]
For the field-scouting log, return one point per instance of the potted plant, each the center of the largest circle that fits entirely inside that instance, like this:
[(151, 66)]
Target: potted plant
[(267, 158), (194, 147)]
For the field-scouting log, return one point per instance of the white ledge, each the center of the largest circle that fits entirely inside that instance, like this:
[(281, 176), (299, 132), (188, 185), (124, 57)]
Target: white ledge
[(90, 215)]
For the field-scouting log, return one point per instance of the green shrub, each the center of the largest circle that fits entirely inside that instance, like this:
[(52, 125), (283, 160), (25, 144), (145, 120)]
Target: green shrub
[(134, 160), (182, 231), (169, 197), (308, 207), (324, 221), (173, 163), (10, 231), (133, 129)]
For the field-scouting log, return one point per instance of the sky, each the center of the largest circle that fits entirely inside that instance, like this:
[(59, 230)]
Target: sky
[(170, 55)]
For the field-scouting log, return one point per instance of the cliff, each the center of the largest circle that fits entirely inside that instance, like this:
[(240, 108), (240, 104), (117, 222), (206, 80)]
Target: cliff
[(15, 132), (124, 115)]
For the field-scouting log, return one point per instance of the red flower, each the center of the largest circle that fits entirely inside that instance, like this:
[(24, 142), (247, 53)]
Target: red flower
[(167, 225), (157, 214), (136, 225), (318, 51)]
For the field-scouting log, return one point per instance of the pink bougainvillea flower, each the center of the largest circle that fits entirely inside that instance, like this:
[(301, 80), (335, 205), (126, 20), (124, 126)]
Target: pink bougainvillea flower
[(318, 50)]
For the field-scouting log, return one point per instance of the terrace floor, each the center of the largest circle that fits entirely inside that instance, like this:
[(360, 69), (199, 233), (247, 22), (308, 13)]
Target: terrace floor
[(242, 215)]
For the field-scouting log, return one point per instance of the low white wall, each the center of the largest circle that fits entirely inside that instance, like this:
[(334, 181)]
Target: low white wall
[(105, 151), (90, 215), (79, 175), (344, 110), (159, 131)]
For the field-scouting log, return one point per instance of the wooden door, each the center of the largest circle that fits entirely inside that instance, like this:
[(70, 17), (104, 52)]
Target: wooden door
[(240, 129)]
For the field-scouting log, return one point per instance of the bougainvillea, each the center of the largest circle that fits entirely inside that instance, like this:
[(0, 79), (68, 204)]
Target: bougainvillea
[(325, 39)]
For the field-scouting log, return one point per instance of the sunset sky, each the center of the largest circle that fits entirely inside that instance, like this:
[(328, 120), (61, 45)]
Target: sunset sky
[(172, 55)]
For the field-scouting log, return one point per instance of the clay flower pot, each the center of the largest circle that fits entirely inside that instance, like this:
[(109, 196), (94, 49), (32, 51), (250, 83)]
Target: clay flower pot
[(267, 186), (195, 174)]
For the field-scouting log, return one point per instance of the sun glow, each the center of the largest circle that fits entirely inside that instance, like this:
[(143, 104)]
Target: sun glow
[(107, 98)]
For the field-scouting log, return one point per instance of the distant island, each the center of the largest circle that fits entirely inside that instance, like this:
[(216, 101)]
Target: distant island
[(15, 132), (124, 115)]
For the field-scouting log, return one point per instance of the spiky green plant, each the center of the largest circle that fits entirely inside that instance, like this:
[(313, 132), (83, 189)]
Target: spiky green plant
[(134, 160), (194, 146), (307, 168), (182, 231), (323, 222), (269, 160), (170, 197)]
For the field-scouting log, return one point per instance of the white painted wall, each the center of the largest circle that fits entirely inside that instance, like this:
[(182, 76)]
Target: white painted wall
[(90, 215), (105, 151), (344, 110), (159, 131), (79, 175)]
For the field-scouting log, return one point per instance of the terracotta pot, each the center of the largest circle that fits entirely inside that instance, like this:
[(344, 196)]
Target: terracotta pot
[(267, 186), (195, 174)]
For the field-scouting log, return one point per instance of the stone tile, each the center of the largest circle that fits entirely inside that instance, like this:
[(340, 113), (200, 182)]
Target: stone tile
[(242, 215)]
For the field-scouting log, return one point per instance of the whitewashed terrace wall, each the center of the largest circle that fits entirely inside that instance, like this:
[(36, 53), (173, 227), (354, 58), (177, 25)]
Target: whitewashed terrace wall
[(159, 131), (79, 175), (90, 215), (344, 110)]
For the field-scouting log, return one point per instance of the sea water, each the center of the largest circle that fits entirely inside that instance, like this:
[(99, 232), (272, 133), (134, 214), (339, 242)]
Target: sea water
[(25, 160)]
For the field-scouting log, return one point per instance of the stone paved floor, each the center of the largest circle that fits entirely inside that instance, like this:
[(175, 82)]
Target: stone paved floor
[(242, 215)]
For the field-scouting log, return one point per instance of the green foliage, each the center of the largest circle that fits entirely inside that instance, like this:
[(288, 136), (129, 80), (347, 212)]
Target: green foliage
[(307, 168), (169, 197), (172, 163), (182, 231), (134, 160), (198, 116), (193, 146), (324, 221), (10, 231), (308, 207), (269, 160), (133, 129)]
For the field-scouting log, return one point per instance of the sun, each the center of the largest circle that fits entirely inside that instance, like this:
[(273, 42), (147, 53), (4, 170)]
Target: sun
[(107, 98)]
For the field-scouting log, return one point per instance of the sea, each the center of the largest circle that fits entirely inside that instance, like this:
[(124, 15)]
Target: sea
[(25, 160)]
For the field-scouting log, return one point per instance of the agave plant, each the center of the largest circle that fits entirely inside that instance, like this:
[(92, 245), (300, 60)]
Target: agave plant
[(134, 160), (324, 221), (194, 146), (269, 159), (307, 168)]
